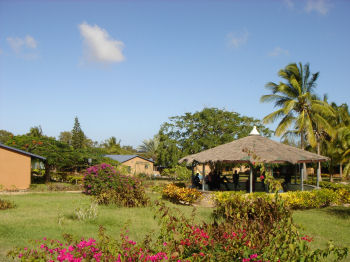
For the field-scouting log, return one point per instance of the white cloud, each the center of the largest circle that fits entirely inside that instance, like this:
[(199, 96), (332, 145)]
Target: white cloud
[(237, 40), (320, 6), (99, 46), (278, 51), (18, 44)]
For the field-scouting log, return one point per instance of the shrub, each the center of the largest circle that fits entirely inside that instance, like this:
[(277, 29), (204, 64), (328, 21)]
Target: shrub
[(5, 204), (110, 187), (177, 173), (293, 199), (181, 195), (181, 239), (314, 199)]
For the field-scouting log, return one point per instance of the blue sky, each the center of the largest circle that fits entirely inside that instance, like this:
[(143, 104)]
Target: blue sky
[(124, 67)]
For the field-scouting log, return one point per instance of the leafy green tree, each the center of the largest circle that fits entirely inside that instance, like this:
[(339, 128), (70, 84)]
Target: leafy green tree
[(194, 132), (56, 153), (78, 136), (65, 137), (299, 107), (5, 136)]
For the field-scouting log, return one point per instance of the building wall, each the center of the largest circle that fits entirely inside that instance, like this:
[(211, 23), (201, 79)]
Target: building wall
[(138, 165), (14, 170)]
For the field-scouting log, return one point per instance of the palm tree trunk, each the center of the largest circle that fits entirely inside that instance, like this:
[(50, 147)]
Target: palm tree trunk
[(341, 171), (302, 147), (319, 177)]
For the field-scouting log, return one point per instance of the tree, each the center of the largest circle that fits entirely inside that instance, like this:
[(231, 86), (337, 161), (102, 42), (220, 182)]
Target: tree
[(299, 107), (5, 136), (56, 153), (66, 137), (194, 132), (35, 131), (336, 147), (78, 136), (149, 147)]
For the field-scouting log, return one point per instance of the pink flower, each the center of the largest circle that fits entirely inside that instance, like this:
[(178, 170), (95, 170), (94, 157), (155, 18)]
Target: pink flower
[(165, 244), (262, 177)]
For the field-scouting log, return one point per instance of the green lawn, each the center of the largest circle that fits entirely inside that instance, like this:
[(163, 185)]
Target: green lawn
[(37, 216)]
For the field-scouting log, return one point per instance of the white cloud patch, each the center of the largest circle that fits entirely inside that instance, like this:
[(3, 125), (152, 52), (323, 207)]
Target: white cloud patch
[(320, 6), (19, 45), (237, 40), (99, 46), (278, 51)]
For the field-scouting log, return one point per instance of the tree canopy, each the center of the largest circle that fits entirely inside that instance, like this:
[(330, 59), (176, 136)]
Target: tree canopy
[(194, 132)]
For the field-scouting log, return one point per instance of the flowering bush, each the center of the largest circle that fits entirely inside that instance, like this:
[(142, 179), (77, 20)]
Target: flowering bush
[(180, 239), (181, 195), (102, 249), (293, 199), (109, 186), (310, 199)]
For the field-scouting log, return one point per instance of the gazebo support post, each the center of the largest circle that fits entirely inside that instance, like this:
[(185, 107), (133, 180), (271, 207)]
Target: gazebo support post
[(251, 180), (203, 178), (318, 175), (302, 179)]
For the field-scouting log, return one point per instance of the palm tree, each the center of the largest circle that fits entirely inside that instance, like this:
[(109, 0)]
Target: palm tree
[(149, 146), (299, 107), (345, 134), (341, 142), (36, 131)]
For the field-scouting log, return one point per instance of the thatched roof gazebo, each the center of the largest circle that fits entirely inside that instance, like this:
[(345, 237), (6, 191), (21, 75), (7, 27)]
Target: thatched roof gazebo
[(254, 148)]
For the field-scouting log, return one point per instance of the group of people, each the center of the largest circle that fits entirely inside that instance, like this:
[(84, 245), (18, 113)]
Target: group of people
[(214, 181)]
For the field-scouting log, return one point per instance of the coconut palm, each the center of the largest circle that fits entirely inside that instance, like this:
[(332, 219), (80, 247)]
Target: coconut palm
[(345, 135), (35, 131), (340, 143), (299, 107), (149, 146)]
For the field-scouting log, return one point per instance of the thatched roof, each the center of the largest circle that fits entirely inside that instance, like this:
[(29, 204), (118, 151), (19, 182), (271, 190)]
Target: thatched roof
[(254, 148)]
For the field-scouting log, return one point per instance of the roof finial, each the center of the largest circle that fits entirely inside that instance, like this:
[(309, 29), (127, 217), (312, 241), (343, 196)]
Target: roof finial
[(254, 132)]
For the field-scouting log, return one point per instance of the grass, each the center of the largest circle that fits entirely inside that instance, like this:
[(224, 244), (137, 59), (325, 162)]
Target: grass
[(39, 215), (331, 223)]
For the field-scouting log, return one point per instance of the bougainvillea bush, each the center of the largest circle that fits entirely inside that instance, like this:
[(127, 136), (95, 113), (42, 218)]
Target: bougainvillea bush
[(109, 186)]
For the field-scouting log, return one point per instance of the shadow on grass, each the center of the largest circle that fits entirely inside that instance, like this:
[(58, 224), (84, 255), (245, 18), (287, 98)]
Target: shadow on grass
[(340, 212)]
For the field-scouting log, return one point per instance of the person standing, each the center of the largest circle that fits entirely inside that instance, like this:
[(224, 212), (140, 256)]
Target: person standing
[(235, 180)]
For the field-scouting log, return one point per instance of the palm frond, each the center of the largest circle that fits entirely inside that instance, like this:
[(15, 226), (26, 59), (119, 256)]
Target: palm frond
[(285, 123), (273, 116)]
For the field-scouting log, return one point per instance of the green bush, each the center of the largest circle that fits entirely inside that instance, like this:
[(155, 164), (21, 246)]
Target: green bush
[(177, 173), (5, 204), (111, 187)]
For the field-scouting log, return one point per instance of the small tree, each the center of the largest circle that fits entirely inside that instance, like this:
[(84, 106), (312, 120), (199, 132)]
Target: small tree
[(78, 136)]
